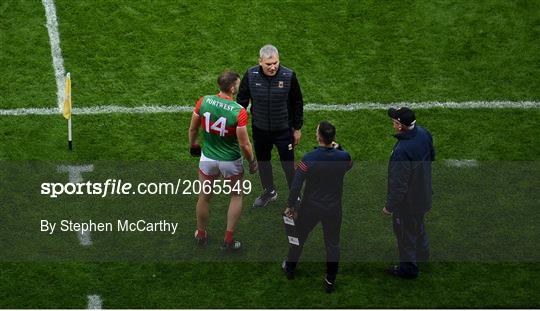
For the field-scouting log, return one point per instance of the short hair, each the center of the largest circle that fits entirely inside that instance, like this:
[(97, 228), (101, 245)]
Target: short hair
[(327, 132), (268, 51), (227, 79)]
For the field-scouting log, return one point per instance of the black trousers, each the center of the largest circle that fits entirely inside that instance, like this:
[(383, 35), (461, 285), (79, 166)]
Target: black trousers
[(264, 141), (331, 225), (412, 241)]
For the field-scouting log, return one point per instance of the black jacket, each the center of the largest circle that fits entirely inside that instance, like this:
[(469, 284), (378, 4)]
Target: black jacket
[(276, 101), (323, 170), (409, 173)]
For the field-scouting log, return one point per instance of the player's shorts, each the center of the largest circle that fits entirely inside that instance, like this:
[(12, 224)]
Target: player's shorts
[(212, 169)]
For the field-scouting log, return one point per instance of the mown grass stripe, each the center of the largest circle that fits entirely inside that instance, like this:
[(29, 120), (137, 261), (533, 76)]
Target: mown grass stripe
[(308, 107), (56, 51)]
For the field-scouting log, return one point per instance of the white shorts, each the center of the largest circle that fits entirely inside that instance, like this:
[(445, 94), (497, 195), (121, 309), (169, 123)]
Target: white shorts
[(212, 169)]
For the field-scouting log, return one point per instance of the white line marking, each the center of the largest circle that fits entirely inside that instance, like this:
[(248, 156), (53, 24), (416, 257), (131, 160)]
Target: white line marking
[(461, 163), (94, 302), (308, 107), (75, 176), (85, 239), (56, 52), (425, 105), (75, 171)]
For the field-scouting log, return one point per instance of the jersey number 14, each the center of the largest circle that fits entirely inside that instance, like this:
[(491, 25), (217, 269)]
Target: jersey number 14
[(218, 126)]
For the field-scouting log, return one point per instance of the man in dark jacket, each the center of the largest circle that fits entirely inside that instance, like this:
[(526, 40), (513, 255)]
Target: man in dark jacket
[(409, 190), (323, 171), (277, 116)]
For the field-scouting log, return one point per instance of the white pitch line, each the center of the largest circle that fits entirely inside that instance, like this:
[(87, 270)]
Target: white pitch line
[(461, 163), (308, 107), (94, 302), (75, 176), (85, 239), (56, 52), (425, 105), (75, 171)]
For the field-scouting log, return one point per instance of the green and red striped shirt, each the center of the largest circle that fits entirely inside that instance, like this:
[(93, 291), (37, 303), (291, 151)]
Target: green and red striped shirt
[(220, 117)]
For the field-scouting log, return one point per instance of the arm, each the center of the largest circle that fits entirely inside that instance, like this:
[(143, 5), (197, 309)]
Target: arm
[(244, 94), (350, 163), (294, 192), (296, 185), (337, 146), (193, 133), (297, 108), (245, 144), (432, 148), (398, 181), (194, 130), (243, 140), (297, 103)]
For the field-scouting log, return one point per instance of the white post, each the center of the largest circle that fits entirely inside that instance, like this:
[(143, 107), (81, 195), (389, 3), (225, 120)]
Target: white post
[(70, 144), (68, 99)]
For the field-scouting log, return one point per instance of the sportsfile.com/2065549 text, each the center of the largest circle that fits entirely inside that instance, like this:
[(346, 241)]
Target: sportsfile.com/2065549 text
[(119, 187)]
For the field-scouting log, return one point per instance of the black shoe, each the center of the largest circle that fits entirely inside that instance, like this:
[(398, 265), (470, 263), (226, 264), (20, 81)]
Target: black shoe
[(201, 242), (329, 286), (231, 247), (394, 271), (288, 274), (265, 198)]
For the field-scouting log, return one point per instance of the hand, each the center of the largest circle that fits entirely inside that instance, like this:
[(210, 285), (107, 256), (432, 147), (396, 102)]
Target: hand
[(253, 166), (386, 212), (297, 134), (195, 150), (291, 212)]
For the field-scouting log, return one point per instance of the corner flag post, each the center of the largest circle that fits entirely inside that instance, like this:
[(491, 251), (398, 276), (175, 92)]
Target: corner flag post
[(67, 109), (70, 141)]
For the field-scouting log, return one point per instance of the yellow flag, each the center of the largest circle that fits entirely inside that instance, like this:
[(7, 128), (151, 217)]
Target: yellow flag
[(67, 99)]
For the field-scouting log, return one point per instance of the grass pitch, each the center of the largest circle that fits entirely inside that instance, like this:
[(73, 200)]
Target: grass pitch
[(160, 52), (157, 52)]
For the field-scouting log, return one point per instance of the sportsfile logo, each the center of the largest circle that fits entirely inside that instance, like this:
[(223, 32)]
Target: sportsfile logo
[(119, 187)]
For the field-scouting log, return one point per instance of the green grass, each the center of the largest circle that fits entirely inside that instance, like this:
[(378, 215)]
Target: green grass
[(481, 134), (483, 221), (344, 51), (159, 52), (448, 285), (482, 214), (483, 225), (26, 73)]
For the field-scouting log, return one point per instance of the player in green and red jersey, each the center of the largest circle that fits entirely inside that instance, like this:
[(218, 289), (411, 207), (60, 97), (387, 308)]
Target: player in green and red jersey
[(224, 127)]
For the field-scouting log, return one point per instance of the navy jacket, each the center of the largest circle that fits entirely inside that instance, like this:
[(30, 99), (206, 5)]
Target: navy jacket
[(322, 170), (409, 173)]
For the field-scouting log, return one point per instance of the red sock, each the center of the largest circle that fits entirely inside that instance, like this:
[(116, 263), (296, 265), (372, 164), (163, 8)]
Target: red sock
[(201, 234), (228, 236)]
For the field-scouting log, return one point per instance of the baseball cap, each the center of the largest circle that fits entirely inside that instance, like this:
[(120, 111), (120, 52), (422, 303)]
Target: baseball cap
[(404, 115)]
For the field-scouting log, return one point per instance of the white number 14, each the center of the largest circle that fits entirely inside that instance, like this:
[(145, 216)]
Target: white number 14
[(218, 126)]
